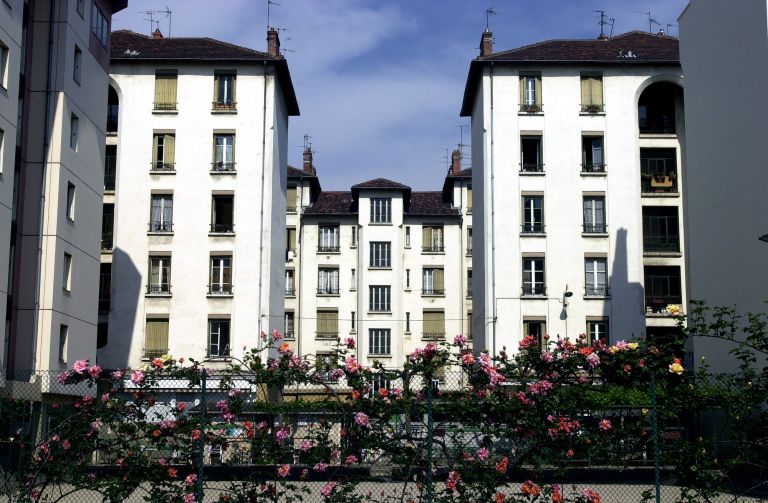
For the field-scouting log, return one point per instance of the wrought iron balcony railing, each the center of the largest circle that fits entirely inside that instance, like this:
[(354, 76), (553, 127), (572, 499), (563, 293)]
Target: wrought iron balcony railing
[(158, 226)]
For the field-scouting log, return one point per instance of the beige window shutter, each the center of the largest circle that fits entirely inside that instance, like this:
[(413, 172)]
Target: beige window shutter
[(157, 335), (538, 91), (170, 149)]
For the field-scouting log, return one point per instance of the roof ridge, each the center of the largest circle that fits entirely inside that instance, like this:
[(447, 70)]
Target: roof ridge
[(580, 40)]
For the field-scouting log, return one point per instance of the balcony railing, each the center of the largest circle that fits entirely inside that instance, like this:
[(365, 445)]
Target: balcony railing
[(218, 353), (529, 167), (106, 241), (532, 228), (224, 105), (327, 290), (592, 108), (223, 167), (432, 336), (162, 167), (596, 291), (160, 226), (110, 164), (593, 167), (659, 303), (220, 289), (433, 249), (432, 292), (149, 354), (290, 291), (659, 183), (289, 334), (469, 251), (534, 290), (661, 243), (159, 289), (328, 248), (227, 228), (165, 106), (532, 108), (290, 209), (595, 228), (327, 335)]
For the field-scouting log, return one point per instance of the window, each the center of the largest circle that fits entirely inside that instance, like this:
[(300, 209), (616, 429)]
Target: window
[(592, 159), (433, 282), (661, 232), (592, 94), (74, 126), (224, 91), (595, 277), (468, 332), (327, 324), (594, 215), (328, 238), (161, 213), (290, 243), (78, 63), (163, 152), (218, 338), (290, 285), (379, 381), (352, 322), (156, 338), (381, 210), (597, 330), (533, 214), (165, 90), (70, 207), (353, 286), (99, 25), (2, 149), (662, 287), (537, 328), (379, 341), (469, 199), (658, 169), (469, 241), (67, 273), (469, 283), (407, 236), (432, 239), (221, 275), (408, 279), (381, 254), (107, 227), (105, 287), (223, 152), (530, 154), (328, 281), (434, 325), (159, 275), (222, 214), (290, 200), (408, 322), (533, 276), (353, 242), (63, 337), (379, 297), (324, 362), (289, 325), (4, 55), (530, 93)]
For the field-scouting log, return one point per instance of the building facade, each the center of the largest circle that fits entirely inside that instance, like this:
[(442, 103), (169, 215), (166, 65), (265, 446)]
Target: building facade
[(725, 195), (55, 59), (577, 149), (384, 265), (192, 248)]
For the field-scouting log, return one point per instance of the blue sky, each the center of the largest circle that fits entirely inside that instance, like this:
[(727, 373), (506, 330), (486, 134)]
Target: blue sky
[(380, 83)]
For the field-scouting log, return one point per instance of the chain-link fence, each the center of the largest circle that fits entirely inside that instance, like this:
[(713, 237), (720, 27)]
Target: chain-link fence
[(208, 436)]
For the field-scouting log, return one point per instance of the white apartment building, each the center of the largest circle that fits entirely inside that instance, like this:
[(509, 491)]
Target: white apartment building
[(194, 263), (726, 203), (54, 57), (577, 149), (382, 264)]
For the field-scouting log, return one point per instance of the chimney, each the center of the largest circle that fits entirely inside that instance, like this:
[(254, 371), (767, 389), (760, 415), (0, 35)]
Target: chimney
[(455, 163), (602, 36), (157, 33), (486, 43), (273, 43), (309, 168)]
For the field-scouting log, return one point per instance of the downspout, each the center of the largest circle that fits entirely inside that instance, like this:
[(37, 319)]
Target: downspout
[(358, 285), (493, 228), (261, 212), (298, 273), (43, 186)]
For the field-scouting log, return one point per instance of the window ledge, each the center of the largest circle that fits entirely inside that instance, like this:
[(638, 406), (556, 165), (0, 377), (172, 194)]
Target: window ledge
[(596, 297), (532, 114), (671, 136), (224, 111), (533, 234), (158, 295), (533, 297), (353, 245), (594, 234), (110, 192), (155, 233), (165, 112), (592, 114), (379, 223), (221, 234), (328, 295), (290, 296), (372, 268), (373, 357), (217, 359), (661, 254), (532, 173), (379, 312), (407, 289), (433, 253), (220, 295), (660, 194), (157, 172), (231, 172), (433, 295), (593, 173), (329, 252)]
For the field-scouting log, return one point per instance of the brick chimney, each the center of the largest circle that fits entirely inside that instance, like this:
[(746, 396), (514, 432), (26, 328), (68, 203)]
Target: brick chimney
[(486, 43), (273, 42), (309, 168), (157, 33), (455, 163)]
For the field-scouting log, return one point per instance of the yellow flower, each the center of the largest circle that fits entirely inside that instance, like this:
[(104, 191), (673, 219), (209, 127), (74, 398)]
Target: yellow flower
[(674, 309), (644, 411), (632, 345), (676, 367), (166, 358)]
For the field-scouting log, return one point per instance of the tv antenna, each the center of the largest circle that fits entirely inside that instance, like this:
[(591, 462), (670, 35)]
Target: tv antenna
[(651, 20), (269, 3), (307, 141), (670, 25), (491, 11), (155, 24), (603, 23), (612, 21), (461, 138)]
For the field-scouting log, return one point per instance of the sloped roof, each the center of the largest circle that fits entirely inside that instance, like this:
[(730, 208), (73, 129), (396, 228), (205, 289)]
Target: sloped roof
[(380, 183), (430, 203), (464, 173), (333, 203)]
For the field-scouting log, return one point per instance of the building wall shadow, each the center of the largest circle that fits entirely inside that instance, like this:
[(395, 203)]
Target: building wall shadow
[(127, 296)]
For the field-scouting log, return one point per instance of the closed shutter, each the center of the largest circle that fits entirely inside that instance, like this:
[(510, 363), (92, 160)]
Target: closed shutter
[(165, 91), (469, 198), (169, 153), (291, 198), (586, 91), (439, 281), (538, 91), (522, 90), (327, 322), (291, 239), (155, 143), (157, 336), (597, 90), (434, 323)]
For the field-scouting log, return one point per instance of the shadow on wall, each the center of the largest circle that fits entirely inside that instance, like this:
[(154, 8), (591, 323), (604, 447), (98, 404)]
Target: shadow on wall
[(625, 308), (127, 295)]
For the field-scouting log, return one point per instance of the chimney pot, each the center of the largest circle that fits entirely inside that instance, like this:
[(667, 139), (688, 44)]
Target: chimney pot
[(455, 162), (486, 43), (273, 42), (157, 33), (309, 168)]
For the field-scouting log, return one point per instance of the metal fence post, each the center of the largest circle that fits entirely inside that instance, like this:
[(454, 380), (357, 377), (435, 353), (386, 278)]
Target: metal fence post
[(655, 430), (429, 441), (201, 463)]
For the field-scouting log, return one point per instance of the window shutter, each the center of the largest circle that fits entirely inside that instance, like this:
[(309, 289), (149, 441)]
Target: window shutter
[(155, 141), (426, 237), (292, 239), (154, 271), (157, 335), (291, 197), (522, 90), (165, 90), (586, 91), (469, 198), (597, 90), (538, 91), (170, 149), (216, 85), (167, 208), (429, 322), (439, 280)]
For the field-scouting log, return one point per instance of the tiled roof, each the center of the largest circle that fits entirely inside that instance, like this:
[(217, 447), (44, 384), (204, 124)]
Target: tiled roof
[(630, 47), (430, 203), (380, 183), (464, 173), (333, 203), (129, 45)]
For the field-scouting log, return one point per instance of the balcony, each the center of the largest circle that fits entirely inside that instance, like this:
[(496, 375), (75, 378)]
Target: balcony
[(433, 248), (106, 241), (593, 168), (163, 106), (223, 228), (532, 108), (534, 290), (327, 290), (661, 244), (159, 289), (659, 183), (218, 354), (432, 292), (110, 165), (222, 167), (289, 334), (596, 291), (532, 228), (327, 335), (432, 336), (593, 108), (290, 291), (150, 354), (224, 106), (657, 304), (220, 290), (595, 229), (161, 227), (335, 248), (162, 167), (531, 167)]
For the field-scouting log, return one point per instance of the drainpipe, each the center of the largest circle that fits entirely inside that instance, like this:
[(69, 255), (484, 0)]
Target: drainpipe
[(260, 327), (493, 228)]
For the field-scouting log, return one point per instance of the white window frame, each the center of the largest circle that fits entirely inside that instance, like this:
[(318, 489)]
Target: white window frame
[(289, 325), (224, 149), (529, 213), (594, 284), (537, 276), (381, 210), (63, 342), (594, 333), (379, 298), (328, 236), (74, 130), (166, 203), (219, 266), (328, 280), (381, 255), (590, 213), (161, 263), (67, 273), (530, 90), (70, 203), (226, 83), (379, 341), (216, 333)]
